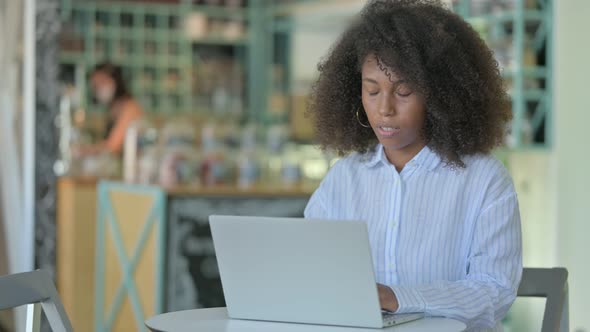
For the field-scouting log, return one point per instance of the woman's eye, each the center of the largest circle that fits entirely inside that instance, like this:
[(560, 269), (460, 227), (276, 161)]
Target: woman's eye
[(403, 92), (371, 91)]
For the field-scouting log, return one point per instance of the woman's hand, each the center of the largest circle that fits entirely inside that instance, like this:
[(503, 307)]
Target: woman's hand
[(387, 298)]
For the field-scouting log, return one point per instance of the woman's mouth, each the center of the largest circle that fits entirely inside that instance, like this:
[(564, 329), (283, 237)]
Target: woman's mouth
[(388, 131)]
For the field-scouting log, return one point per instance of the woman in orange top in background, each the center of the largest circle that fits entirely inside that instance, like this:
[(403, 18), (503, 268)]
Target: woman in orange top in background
[(109, 89)]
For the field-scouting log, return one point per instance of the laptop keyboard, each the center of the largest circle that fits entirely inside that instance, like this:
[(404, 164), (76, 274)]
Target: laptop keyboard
[(388, 317)]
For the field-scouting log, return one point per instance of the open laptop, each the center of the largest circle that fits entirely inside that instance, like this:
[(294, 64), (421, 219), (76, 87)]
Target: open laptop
[(300, 271)]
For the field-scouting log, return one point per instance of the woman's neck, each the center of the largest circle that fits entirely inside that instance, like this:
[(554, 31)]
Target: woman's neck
[(400, 157)]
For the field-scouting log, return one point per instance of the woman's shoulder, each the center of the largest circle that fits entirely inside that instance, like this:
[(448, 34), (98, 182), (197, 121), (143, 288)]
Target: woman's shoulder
[(128, 105), (486, 168), (354, 160), (345, 172), (132, 105), (348, 168), (484, 163)]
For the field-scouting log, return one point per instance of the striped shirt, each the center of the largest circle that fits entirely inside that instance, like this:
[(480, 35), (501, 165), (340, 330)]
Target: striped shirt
[(446, 241)]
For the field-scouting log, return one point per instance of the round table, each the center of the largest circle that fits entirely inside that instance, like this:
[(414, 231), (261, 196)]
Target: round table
[(216, 320)]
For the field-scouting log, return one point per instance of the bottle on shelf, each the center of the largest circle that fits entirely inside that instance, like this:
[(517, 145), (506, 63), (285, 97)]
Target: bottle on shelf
[(180, 161), (291, 167), (140, 135), (248, 160)]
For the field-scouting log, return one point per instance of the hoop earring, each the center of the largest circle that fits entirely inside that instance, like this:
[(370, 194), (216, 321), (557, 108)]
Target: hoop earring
[(359, 120)]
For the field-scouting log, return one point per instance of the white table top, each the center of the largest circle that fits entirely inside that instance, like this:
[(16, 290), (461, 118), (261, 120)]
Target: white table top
[(216, 320)]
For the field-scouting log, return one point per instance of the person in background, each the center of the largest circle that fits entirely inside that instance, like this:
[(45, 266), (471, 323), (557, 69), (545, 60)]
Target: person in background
[(109, 89), (413, 98)]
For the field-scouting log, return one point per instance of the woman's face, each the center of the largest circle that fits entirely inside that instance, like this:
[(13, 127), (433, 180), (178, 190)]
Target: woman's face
[(395, 111), (103, 86)]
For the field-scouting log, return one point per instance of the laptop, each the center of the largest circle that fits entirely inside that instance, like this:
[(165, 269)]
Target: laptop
[(299, 271)]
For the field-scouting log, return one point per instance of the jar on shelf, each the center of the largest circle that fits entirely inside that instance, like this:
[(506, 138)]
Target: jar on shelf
[(149, 166), (291, 167), (276, 138), (179, 166), (248, 169), (272, 156), (214, 165), (215, 169), (178, 132), (140, 135), (103, 165), (248, 160), (196, 25)]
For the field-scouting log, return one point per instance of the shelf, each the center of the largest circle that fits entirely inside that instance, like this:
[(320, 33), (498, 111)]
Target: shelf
[(220, 41), (67, 57), (129, 60), (158, 9), (149, 38), (525, 148), (534, 95), (149, 41), (527, 30), (534, 72), (507, 16), (132, 34), (161, 36), (152, 61), (531, 94), (179, 91), (309, 7), (221, 12), (143, 34), (257, 190)]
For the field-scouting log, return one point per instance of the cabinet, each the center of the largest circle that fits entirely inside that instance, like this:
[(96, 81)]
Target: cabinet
[(76, 235), (154, 251), (520, 32), (178, 56)]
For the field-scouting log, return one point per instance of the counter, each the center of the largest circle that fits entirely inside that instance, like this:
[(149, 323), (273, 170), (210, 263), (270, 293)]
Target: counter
[(152, 246), (75, 242)]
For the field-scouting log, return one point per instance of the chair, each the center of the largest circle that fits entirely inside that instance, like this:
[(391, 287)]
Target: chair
[(34, 288), (552, 284)]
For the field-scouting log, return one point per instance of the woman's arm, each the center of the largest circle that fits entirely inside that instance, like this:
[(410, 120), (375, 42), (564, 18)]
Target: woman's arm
[(494, 270), (130, 111)]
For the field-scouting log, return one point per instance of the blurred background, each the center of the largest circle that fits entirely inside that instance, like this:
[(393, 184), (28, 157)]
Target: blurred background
[(125, 123)]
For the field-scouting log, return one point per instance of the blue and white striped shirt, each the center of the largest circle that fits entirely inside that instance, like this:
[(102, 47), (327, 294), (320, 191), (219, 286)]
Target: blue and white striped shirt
[(447, 241)]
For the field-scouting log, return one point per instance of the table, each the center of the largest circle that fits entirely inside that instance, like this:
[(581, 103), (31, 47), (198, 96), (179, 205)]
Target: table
[(216, 320)]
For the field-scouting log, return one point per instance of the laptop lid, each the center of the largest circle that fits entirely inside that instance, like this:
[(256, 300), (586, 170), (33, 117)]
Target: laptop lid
[(296, 270)]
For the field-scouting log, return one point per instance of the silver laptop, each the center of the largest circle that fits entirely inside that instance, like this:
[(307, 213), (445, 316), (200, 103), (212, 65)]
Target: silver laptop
[(298, 270)]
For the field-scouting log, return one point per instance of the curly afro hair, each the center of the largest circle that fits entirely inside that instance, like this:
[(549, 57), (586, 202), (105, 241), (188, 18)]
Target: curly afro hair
[(439, 55)]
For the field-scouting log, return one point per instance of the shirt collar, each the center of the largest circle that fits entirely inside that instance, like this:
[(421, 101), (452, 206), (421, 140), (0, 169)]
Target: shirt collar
[(425, 158), (376, 156)]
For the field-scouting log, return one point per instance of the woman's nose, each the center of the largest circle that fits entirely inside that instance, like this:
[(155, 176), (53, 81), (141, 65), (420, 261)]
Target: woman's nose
[(386, 106)]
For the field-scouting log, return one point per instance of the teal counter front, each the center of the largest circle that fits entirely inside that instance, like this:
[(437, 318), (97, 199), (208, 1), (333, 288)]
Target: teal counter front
[(154, 251)]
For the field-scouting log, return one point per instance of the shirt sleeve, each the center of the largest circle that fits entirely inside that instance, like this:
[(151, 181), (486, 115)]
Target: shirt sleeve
[(494, 269), (315, 208), (326, 195)]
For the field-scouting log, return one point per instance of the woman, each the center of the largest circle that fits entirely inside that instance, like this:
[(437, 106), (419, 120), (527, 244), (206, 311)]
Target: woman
[(109, 89), (414, 97)]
